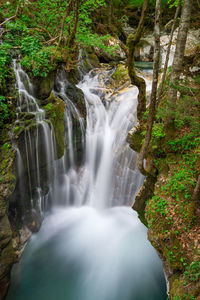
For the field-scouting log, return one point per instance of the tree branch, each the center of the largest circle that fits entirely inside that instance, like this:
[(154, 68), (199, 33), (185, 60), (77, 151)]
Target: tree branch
[(14, 16)]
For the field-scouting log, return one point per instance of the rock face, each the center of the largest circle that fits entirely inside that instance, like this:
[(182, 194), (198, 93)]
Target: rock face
[(144, 51), (7, 184), (44, 85), (77, 97)]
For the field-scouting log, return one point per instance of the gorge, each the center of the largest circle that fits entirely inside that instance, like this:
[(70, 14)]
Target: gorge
[(85, 239), (78, 220)]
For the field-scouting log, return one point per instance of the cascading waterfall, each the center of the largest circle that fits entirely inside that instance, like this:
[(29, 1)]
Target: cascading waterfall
[(92, 246), (39, 141), (109, 175)]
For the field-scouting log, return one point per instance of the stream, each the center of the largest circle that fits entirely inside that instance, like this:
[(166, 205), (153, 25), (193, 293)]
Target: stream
[(91, 245)]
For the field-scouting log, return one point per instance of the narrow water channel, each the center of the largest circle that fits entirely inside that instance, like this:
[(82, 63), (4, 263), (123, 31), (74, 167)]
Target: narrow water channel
[(92, 245)]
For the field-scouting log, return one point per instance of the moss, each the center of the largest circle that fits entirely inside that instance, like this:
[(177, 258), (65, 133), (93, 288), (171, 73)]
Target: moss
[(55, 112), (136, 137), (120, 75)]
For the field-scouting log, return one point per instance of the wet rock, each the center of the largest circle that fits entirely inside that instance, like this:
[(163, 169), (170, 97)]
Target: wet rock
[(55, 109), (88, 61), (20, 240), (77, 97), (126, 28), (44, 85), (144, 50)]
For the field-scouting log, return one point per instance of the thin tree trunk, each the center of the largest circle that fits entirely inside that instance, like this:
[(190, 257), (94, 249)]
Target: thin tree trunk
[(71, 38), (168, 51), (132, 41), (195, 196), (180, 48), (110, 8), (63, 24), (152, 107)]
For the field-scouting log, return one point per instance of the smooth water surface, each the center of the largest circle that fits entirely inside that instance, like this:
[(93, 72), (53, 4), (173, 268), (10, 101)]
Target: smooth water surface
[(85, 254)]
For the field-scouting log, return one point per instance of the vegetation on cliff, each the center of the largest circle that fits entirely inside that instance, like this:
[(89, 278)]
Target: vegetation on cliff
[(173, 208)]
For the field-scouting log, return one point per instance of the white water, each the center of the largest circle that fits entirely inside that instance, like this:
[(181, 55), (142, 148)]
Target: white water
[(109, 175), (92, 246), (39, 141)]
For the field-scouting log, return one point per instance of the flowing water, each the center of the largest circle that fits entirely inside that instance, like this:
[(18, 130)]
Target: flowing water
[(36, 152), (92, 245)]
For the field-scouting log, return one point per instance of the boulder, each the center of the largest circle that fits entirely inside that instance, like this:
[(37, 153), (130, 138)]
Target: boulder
[(116, 55)]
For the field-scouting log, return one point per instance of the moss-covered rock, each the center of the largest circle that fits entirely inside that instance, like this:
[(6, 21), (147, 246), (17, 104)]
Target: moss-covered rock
[(136, 137), (120, 76), (55, 108), (77, 97), (44, 85)]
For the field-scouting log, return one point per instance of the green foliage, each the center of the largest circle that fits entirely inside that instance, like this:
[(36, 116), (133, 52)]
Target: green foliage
[(173, 3), (49, 106), (30, 44), (181, 180), (86, 38), (192, 272), (6, 146), (39, 62), (139, 3), (40, 21), (197, 79), (186, 142), (158, 131), (3, 110), (181, 110), (158, 206), (5, 59)]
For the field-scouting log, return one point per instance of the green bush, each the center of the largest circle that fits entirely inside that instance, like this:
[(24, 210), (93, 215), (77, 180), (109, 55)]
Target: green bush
[(5, 59), (38, 62), (31, 45), (3, 110)]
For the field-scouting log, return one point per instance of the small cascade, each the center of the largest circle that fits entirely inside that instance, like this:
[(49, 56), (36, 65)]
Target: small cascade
[(63, 190), (36, 151)]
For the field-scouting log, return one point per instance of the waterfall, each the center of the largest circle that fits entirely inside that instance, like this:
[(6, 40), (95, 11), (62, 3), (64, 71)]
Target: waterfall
[(38, 149), (92, 244), (109, 175)]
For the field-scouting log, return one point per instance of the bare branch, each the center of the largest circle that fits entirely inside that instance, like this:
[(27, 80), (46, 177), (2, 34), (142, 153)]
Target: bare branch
[(14, 16)]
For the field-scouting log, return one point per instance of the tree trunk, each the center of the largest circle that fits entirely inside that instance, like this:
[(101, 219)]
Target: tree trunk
[(195, 196), (180, 48), (110, 12), (63, 23), (132, 41), (71, 38), (152, 107), (168, 51)]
